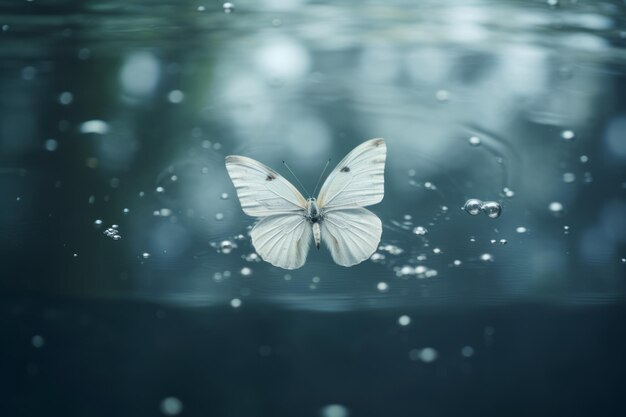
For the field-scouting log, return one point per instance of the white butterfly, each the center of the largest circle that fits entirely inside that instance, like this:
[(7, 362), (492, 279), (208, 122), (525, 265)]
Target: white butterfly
[(288, 220)]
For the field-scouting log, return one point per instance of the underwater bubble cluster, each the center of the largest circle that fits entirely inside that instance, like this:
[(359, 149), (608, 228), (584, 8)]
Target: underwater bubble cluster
[(113, 232)]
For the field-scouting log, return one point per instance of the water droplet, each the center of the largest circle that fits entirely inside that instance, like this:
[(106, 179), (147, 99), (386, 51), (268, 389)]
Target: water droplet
[(556, 208), (224, 196), (226, 246), (145, 255), (457, 262), (473, 206), (228, 7), (382, 286), (437, 251), (51, 145), (126, 211), (404, 320), (97, 223), (66, 98), (486, 257), (474, 140), (160, 189), (521, 229), (99, 127), (334, 410), (175, 96), (235, 303), (569, 177), (492, 241), (567, 135), (38, 341), (420, 231), (503, 241), (219, 216), (467, 351), (171, 406), (245, 271), (442, 95), (492, 209)]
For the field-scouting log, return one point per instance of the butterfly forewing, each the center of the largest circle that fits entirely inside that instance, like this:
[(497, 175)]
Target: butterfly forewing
[(358, 180), (261, 190)]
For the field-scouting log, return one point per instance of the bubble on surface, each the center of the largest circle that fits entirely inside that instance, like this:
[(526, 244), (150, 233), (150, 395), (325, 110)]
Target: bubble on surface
[(442, 95), (467, 351), (51, 145), (474, 141), (227, 246), (568, 135), (252, 257), (391, 249), (219, 216), (175, 96), (492, 209), (508, 193), (38, 341), (145, 255), (171, 406), (569, 177), (457, 262), (382, 286), (165, 212), (437, 251), (126, 211), (404, 320), (420, 231), (95, 126), (160, 189), (245, 271), (486, 257), (228, 7), (473, 206), (503, 241), (428, 355), (555, 207), (334, 410), (235, 303), (66, 98), (113, 232), (521, 229), (377, 257), (97, 223)]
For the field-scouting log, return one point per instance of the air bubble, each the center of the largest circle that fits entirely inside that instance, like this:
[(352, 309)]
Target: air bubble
[(569, 177), (555, 207), (245, 271), (584, 159), (486, 257), (467, 351), (567, 135), (224, 196), (252, 257), (235, 303), (160, 189), (503, 241), (492, 209), (473, 206), (430, 186), (442, 95), (420, 231), (201, 8), (37, 341), (226, 246), (66, 98), (382, 286), (228, 7), (145, 255), (428, 355), (171, 406), (474, 141), (521, 229), (334, 410), (175, 96), (97, 223), (219, 216), (377, 257), (437, 251), (51, 145), (404, 320), (457, 262), (508, 193), (126, 211)]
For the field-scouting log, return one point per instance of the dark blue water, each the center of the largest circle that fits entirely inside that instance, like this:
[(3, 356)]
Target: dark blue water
[(129, 283)]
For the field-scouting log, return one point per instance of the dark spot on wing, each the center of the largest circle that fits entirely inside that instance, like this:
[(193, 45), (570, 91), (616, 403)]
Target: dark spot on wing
[(270, 177), (345, 169)]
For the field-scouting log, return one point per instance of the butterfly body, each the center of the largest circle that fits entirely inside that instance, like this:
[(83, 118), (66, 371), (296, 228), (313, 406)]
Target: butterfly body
[(288, 222)]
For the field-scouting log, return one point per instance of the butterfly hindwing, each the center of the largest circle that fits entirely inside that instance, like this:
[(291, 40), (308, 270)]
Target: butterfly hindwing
[(352, 235), (358, 180), (261, 190), (282, 240)]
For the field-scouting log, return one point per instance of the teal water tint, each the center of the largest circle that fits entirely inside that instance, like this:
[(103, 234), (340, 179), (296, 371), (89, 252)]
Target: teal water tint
[(505, 123)]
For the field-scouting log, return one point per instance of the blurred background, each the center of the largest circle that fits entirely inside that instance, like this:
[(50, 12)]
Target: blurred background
[(129, 285)]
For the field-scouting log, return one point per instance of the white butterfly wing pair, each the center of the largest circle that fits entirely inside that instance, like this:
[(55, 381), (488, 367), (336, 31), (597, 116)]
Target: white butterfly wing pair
[(283, 235)]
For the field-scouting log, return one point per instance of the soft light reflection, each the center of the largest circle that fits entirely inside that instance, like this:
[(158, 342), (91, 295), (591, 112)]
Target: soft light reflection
[(282, 58), (140, 74)]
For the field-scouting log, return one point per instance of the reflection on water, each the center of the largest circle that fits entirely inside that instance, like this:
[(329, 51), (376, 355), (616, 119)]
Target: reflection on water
[(122, 116)]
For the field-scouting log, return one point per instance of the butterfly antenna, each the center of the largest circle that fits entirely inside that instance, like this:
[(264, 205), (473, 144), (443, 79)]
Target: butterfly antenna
[(321, 175), (296, 177)]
